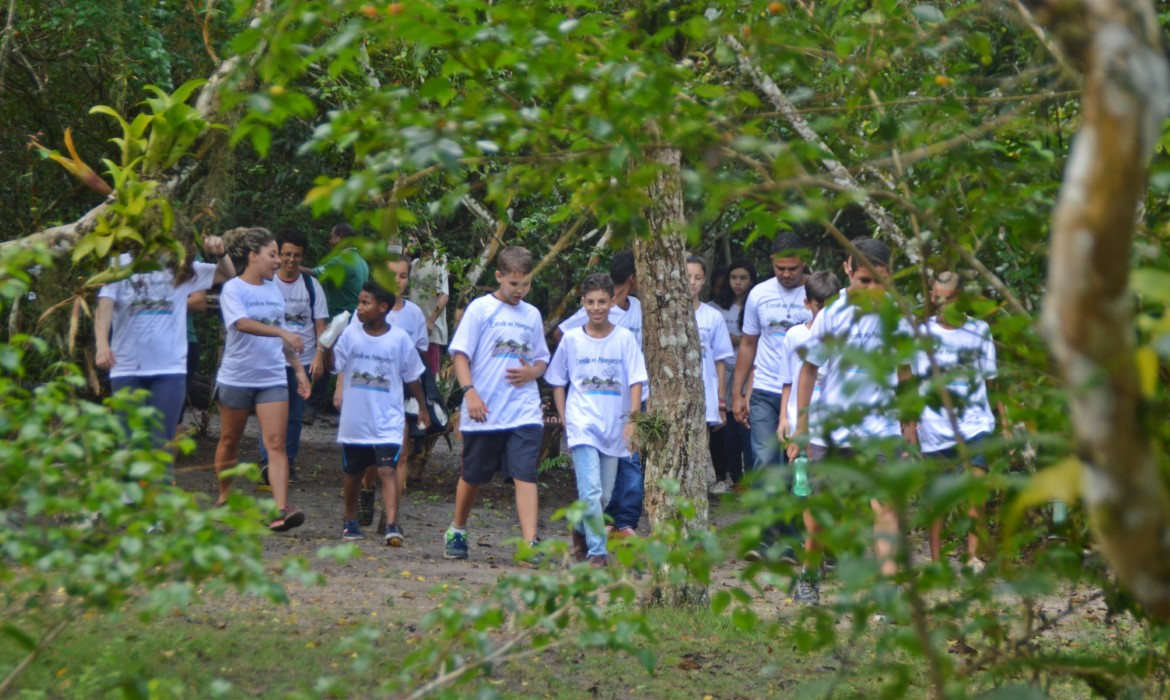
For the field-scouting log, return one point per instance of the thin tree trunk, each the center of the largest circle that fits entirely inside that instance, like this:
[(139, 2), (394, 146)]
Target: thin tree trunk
[(1087, 313), (671, 345)]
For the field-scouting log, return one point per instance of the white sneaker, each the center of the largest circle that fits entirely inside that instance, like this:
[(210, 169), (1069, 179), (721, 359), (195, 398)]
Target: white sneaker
[(719, 488)]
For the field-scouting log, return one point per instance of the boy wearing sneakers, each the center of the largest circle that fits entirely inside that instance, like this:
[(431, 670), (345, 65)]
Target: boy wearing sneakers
[(499, 352), (407, 317), (848, 328), (601, 368), (373, 360)]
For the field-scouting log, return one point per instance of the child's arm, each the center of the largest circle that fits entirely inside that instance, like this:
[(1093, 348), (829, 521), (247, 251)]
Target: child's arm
[(526, 372), (783, 431), (101, 327), (559, 402), (804, 390), (635, 409), (424, 414), (337, 392), (477, 410)]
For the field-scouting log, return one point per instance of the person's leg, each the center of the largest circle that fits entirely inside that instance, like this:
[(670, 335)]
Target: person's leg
[(587, 468), (234, 409), (403, 469), (465, 494), (353, 483), (355, 459), (715, 443), (296, 414), (625, 506), (609, 467), (764, 410), (521, 453), (390, 493), (885, 531), (273, 419), (978, 526), (167, 394)]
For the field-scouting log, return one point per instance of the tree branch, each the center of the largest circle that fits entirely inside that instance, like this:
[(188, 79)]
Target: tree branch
[(6, 44)]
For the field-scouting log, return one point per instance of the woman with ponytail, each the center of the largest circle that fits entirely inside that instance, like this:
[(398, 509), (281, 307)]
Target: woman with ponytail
[(252, 375)]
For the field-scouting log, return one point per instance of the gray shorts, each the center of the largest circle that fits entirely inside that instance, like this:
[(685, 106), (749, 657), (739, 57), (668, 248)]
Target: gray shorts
[(513, 453), (244, 398)]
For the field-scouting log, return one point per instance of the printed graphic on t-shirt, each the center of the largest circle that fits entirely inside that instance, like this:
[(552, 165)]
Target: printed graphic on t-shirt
[(296, 318), (151, 296), (514, 348), (779, 328), (608, 384), (377, 380), (270, 315)]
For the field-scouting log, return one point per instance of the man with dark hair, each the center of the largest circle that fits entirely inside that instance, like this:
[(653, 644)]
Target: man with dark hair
[(625, 507), (772, 308)]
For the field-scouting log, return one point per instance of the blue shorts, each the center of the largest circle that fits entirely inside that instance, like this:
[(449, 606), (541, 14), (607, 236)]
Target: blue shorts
[(356, 459), (951, 454)]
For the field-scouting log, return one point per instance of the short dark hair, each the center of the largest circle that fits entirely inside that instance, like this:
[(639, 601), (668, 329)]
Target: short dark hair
[(399, 257), (380, 294), (343, 230), (621, 267), (293, 237), (514, 260), (788, 244), (820, 286), (697, 260), (597, 281), (877, 252)]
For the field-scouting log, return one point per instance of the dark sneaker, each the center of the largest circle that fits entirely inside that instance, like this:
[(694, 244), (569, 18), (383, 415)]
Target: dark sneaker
[(309, 416), (366, 507), (807, 592), (456, 545), (764, 552), (288, 520), (264, 484), (788, 556), (292, 475), (381, 522), (534, 559), (351, 530), (394, 536), (580, 549), (598, 561)]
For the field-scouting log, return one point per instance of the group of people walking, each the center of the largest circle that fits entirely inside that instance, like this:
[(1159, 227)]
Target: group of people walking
[(782, 362)]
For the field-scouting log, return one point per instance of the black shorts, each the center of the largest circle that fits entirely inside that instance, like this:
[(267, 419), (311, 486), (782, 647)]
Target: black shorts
[(356, 459), (512, 452)]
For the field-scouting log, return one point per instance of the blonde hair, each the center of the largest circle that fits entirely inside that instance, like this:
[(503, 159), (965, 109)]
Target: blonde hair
[(243, 240)]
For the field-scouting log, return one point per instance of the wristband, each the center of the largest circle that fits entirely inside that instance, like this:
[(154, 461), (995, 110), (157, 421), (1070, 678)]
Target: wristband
[(467, 388)]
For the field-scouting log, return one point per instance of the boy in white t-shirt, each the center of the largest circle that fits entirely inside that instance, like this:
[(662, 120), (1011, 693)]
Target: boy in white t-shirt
[(838, 335), (715, 349), (373, 361), (601, 368), (499, 352), (407, 317), (964, 354)]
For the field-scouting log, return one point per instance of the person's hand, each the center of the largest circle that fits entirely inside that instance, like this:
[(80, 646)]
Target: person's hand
[(793, 451), (317, 366), (213, 245), (337, 399), (293, 342), (782, 432), (304, 388), (104, 359), (739, 407), (628, 433), (477, 410), (424, 418), (519, 376), (430, 326), (722, 418)]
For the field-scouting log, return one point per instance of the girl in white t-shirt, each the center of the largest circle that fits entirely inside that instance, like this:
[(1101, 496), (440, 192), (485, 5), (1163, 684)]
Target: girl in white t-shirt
[(715, 349), (736, 438), (251, 374), (148, 312)]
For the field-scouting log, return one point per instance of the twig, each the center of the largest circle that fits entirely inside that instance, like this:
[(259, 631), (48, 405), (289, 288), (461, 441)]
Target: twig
[(6, 45)]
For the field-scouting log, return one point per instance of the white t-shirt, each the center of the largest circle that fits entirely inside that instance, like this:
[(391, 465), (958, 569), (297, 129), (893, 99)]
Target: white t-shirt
[(715, 344), (252, 361), (630, 319), (966, 358), (598, 373), (731, 319), (494, 336), (771, 310), (839, 330), (150, 321), (410, 319), (797, 348), (374, 369), (298, 317), (429, 281)]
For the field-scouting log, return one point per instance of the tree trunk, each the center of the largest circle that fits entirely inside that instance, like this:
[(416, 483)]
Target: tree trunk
[(671, 346), (1087, 313)]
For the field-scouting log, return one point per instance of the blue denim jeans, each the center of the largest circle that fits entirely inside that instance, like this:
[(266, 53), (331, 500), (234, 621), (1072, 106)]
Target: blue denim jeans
[(764, 413), (625, 508), (167, 394), (595, 477), (296, 413)]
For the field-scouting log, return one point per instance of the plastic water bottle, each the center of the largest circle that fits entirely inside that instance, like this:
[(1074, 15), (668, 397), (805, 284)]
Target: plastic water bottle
[(333, 332), (800, 486)]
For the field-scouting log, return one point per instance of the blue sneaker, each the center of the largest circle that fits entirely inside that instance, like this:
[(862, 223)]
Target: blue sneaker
[(351, 530), (394, 536), (456, 545)]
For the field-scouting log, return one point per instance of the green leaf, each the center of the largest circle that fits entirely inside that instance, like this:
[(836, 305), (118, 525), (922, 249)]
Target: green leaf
[(21, 637), (1061, 482)]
